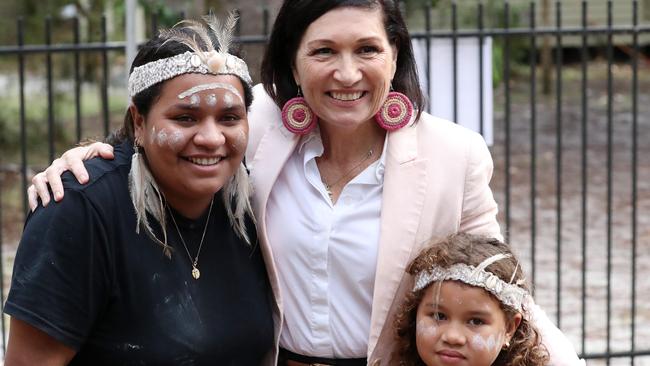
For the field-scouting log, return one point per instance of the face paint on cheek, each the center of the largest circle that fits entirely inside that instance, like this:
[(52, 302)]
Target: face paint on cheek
[(211, 100), (426, 329), (161, 137), (176, 139), (482, 344), (240, 141)]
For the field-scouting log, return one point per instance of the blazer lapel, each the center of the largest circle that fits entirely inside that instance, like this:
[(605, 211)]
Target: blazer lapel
[(274, 148), (402, 202)]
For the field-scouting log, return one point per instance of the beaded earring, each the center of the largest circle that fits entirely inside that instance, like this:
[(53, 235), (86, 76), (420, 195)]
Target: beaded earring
[(395, 113), (297, 117)]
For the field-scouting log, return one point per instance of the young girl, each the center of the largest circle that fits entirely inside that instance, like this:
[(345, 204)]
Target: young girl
[(468, 307)]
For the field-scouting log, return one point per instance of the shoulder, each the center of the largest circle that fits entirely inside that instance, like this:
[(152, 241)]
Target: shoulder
[(102, 172), (438, 135), (431, 126)]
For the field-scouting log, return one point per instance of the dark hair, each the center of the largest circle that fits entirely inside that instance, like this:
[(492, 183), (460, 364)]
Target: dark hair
[(155, 49), (525, 345), (290, 25)]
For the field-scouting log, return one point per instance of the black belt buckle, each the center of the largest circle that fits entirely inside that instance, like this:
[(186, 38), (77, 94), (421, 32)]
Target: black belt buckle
[(286, 355)]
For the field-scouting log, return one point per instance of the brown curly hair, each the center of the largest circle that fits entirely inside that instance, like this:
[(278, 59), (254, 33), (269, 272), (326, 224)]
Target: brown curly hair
[(525, 346)]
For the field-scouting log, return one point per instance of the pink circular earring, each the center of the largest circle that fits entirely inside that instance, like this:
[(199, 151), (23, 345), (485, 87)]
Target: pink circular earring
[(297, 117), (395, 113)]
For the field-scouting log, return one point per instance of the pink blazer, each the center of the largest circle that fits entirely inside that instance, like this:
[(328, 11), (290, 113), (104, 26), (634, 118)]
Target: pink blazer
[(435, 183)]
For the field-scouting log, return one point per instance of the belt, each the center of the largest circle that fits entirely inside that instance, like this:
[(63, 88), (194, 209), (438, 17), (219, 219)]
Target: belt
[(288, 358)]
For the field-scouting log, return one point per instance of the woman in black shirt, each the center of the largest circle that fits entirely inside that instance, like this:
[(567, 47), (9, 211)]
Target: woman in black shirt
[(154, 262)]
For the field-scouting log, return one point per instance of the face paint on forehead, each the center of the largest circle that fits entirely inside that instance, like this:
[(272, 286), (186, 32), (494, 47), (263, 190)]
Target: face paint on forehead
[(195, 99), (211, 100), (227, 100), (211, 86)]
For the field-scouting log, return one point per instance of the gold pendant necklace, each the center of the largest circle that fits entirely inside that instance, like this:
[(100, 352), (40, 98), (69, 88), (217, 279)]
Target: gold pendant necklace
[(195, 270)]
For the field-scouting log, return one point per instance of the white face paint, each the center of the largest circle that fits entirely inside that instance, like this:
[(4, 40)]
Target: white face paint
[(164, 137), (240, 141), (195, 99), (426, 329), (211, 86), (211, 100), (227, 100), (489, 344)]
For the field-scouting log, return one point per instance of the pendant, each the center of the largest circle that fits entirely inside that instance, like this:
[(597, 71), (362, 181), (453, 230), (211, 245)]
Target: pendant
[(196, 273)]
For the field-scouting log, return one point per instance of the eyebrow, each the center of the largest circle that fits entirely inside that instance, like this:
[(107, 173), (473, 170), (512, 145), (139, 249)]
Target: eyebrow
[(186, 106), (317, 42), (434, 305)]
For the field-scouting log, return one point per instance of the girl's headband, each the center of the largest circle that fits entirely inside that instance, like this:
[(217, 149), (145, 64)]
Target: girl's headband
[(508, 293)]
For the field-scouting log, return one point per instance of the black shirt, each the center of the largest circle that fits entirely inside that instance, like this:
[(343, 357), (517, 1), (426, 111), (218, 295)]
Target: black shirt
[(83, 276)]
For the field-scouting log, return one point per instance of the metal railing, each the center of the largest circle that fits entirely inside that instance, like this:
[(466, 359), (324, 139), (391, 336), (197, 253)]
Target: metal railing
[(506, 144)]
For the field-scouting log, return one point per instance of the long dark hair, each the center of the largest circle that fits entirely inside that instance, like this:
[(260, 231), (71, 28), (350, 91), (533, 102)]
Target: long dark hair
[(292, 21)]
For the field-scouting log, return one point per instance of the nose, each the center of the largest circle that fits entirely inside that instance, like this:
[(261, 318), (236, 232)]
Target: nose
[(453, 335), (347, 70), (209, 134)]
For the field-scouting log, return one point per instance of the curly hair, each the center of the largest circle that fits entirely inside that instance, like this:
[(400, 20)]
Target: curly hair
[(525, 347)]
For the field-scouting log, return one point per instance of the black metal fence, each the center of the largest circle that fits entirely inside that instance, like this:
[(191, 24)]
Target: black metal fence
[(569, 137)]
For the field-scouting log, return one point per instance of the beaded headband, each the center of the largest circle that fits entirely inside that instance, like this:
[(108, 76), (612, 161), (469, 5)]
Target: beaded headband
[(509, 294), (199, 60)]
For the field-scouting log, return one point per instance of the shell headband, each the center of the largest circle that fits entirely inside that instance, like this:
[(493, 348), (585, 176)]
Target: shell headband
[(509, 294), (200, 60)]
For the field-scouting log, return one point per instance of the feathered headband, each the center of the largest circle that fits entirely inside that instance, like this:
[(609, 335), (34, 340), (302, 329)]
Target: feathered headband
[(508, 293), (202, 60)]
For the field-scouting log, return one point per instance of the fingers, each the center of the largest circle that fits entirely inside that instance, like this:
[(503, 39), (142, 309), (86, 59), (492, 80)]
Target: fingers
[(53, 177), (38, 189), (105, 151), (96, 149), (71, 160)]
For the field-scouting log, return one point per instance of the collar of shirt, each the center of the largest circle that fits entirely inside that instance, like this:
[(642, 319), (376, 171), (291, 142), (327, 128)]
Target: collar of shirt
[(311, 147)]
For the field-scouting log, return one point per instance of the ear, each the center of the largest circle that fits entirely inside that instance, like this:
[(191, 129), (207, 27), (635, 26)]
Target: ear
[(138, 123), (512, 325), (394, 61), (296, 79)]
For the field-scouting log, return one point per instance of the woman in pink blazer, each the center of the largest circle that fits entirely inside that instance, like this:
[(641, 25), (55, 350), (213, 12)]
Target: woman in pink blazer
[(351, 178)]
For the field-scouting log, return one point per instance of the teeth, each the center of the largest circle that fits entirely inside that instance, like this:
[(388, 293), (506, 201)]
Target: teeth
[(347, 96), (204, 161)]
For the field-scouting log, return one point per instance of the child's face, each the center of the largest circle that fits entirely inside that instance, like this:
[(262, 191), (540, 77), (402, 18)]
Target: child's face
[(460, 325)]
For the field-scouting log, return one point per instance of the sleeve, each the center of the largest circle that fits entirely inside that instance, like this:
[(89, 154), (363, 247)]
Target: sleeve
[(60, 279), (479, 212), (558, 345)]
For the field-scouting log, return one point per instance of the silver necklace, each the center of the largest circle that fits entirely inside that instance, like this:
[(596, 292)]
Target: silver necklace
[(328, 186), (195, 270)]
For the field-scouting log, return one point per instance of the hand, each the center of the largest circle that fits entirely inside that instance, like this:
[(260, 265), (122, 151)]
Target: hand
[(70, 160)]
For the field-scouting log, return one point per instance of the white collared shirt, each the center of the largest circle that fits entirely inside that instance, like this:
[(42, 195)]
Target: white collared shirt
[(326, 254)]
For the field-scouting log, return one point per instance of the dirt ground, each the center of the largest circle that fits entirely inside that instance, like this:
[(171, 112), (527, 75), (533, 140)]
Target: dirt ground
[(546, 252)]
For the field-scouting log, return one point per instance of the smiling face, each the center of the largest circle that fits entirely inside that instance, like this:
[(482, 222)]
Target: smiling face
[(194, 137), (458, 324), (344, 65)]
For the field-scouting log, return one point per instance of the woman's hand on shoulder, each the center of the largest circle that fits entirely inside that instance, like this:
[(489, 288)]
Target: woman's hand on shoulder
[(71, 160)]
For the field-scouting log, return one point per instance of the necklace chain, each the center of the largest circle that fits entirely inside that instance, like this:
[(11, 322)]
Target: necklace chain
[(328, 186), (195, 270)]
